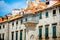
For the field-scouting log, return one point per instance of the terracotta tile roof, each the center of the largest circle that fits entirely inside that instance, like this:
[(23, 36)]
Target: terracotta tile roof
[(14, 18), (58, 3), (42, 3)]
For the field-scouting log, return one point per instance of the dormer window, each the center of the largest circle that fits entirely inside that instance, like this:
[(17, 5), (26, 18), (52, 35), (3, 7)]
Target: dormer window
[(47, 2)]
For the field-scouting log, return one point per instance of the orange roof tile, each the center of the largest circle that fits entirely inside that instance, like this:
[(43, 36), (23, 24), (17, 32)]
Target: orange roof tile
[(0, 20)]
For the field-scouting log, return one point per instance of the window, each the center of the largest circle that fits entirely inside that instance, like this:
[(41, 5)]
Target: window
[(17, 22), (21, 21), (16, 35), (59, 9), (40, 32), (54, 30), (12, 35), (26, 19), (13, 23), (3, 26), (3, 36), (47, 3), (0, 27), (54, 12), (21, 35), (25, 35), (46, 31), (40, 16), (46, 14), (0, 36)]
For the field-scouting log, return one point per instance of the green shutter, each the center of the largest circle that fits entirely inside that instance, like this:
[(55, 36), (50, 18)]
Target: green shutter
[(46, 32), (17, 22), (54, 31), (21, 35), (59, 9), (3, 36), (0, 27), (16, 35), (12, 23), (12, 35), (40, 16), (26, 19), (40, 32), (25, 34), (21, 21), (3, 26), (46, 14)]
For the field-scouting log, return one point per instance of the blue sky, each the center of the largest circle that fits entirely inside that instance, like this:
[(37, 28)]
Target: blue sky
[(6, 6)]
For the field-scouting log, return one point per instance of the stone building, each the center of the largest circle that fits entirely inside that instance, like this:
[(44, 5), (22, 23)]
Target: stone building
[(39, 20)]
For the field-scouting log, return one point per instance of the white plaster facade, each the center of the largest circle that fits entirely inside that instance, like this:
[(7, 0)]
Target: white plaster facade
[(33, 34), (4, 31)]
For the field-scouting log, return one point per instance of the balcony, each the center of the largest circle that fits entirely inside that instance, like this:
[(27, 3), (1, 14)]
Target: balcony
[(32, 18)]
